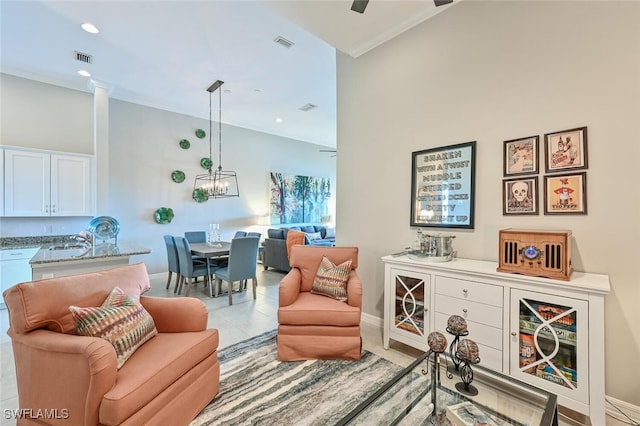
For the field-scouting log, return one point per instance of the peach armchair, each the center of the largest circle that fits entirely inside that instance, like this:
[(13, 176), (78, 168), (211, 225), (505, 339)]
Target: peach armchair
[(313, 326), (168, 380)]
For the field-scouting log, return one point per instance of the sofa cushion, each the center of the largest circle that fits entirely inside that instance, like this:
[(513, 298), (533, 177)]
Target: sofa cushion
[(120, 320), (330, 233), (276, 233), (331, 279), (308, 228), (315, 310), (312, 236), (154, 367)]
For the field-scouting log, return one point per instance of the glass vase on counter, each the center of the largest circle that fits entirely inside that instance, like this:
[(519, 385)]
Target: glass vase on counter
[(213, 236)]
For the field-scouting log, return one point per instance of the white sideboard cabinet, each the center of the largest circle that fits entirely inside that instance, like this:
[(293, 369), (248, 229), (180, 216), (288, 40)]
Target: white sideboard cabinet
[(549, 333), (41, 183)]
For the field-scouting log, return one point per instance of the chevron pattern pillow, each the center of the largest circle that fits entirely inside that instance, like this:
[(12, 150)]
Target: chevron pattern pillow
[(120, 320), (331, 279)]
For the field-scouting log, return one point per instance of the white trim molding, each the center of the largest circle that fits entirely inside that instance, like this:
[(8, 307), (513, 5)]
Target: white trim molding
[(633, 411)]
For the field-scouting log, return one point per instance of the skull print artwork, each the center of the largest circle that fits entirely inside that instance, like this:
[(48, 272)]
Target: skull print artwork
[(520, 196), (520, 190)]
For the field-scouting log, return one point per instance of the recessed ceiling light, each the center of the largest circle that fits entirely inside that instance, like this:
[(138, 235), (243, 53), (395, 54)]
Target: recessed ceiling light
[(84, 73), (279, 120), (90, 28)]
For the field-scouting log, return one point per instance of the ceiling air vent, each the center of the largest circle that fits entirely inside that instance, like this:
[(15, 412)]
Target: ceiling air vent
[(84, 57), (307, 107), (283, 42)]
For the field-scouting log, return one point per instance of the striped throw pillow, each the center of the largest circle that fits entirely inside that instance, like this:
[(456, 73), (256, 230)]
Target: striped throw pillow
[(331, 280), (120, 320)]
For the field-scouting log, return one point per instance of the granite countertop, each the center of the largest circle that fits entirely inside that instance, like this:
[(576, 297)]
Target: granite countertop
[(44, 255)]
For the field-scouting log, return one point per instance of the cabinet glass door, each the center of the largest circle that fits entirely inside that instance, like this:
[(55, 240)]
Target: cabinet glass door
[(551, 345), (409, 311)]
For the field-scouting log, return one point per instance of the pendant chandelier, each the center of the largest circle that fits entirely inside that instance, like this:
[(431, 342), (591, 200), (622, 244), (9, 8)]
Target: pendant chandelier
[(218, 183)]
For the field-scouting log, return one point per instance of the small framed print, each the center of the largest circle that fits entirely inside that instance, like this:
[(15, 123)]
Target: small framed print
[(520, 196), (566, 150), (565, 194), (521, 156)]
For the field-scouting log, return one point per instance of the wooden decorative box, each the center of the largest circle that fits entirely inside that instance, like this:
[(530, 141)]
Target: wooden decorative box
[(535, 253)]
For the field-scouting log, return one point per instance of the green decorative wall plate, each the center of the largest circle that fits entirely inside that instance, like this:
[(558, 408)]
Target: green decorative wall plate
[(206, 163), (163, 215), (178, 176), (200, 133), (200, 195), (185, 144)]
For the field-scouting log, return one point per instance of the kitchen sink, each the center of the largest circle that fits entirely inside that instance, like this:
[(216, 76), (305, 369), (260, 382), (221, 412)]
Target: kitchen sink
[(73, 246)]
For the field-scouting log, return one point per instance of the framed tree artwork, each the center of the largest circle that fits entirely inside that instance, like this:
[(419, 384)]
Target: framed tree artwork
[(566, 150)]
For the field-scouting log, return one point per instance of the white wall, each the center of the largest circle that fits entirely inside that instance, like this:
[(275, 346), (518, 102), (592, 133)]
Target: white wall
[(492, 71), (143, 150)]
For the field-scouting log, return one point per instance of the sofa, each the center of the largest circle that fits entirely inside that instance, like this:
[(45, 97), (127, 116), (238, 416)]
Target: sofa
[(275, 245), (169, 379)]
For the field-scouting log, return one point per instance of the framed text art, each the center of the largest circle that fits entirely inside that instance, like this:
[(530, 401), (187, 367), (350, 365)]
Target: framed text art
[(565, 194), (566, 149), (521, 156), (520, 196), (442, 186)]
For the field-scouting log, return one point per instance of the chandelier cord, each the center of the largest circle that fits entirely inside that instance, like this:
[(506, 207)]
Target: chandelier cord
[(210, 128), (220, 128)]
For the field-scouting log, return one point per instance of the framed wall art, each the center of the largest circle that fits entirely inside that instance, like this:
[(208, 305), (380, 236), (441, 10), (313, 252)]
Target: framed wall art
[(520, 196), (566, 149), (442, 186), (565, 194), (296, 199), (521, 156)]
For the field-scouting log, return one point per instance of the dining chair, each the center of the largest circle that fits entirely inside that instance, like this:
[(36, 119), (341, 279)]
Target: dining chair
[(254, 234), (243, 260), (196, 236), (172, 260), (188, 269), (239, 234)]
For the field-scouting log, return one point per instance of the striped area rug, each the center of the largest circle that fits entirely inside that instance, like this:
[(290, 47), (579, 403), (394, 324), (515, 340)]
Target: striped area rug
[(257, 389)]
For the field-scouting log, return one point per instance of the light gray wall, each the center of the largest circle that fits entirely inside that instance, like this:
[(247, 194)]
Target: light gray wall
[(143, 150), (492, 71)]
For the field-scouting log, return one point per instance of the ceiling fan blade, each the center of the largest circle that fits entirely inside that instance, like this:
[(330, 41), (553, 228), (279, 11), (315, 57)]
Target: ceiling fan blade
[(442, 2), (359, 5), (327, 150)]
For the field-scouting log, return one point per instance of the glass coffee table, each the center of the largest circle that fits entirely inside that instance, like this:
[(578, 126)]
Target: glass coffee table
[(408, 399)]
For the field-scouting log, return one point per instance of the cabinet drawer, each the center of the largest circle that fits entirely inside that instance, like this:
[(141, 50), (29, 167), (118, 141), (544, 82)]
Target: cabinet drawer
[(469, 290), (479, 333), (490, 358), (471, 311)]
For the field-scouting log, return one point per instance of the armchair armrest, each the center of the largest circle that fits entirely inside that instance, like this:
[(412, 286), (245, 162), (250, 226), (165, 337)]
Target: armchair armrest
[(55, 368), (177, 315), (289, 287), (354, 290)]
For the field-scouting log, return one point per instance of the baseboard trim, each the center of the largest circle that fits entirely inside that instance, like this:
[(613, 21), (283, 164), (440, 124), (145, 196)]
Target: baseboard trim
[(372, 320), (633, 411)]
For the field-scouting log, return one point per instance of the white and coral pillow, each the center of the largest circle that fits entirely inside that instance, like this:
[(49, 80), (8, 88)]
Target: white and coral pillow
[(331, 279), (120, 320)]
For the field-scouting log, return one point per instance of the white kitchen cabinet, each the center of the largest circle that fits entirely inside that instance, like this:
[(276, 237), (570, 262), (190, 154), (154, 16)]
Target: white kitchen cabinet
[(41, 183), (15, 268), (546, 332)]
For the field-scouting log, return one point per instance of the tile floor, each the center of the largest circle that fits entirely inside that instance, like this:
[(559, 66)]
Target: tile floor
[(240, 321)]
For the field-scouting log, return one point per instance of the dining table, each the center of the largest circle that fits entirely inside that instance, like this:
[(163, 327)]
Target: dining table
[(209, 251)]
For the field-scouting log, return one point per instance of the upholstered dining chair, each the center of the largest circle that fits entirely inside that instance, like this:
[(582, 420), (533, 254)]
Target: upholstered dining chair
[(188, 269), (317, 318), (243, 263), (172, 260), (196, 236), (239, 234)]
